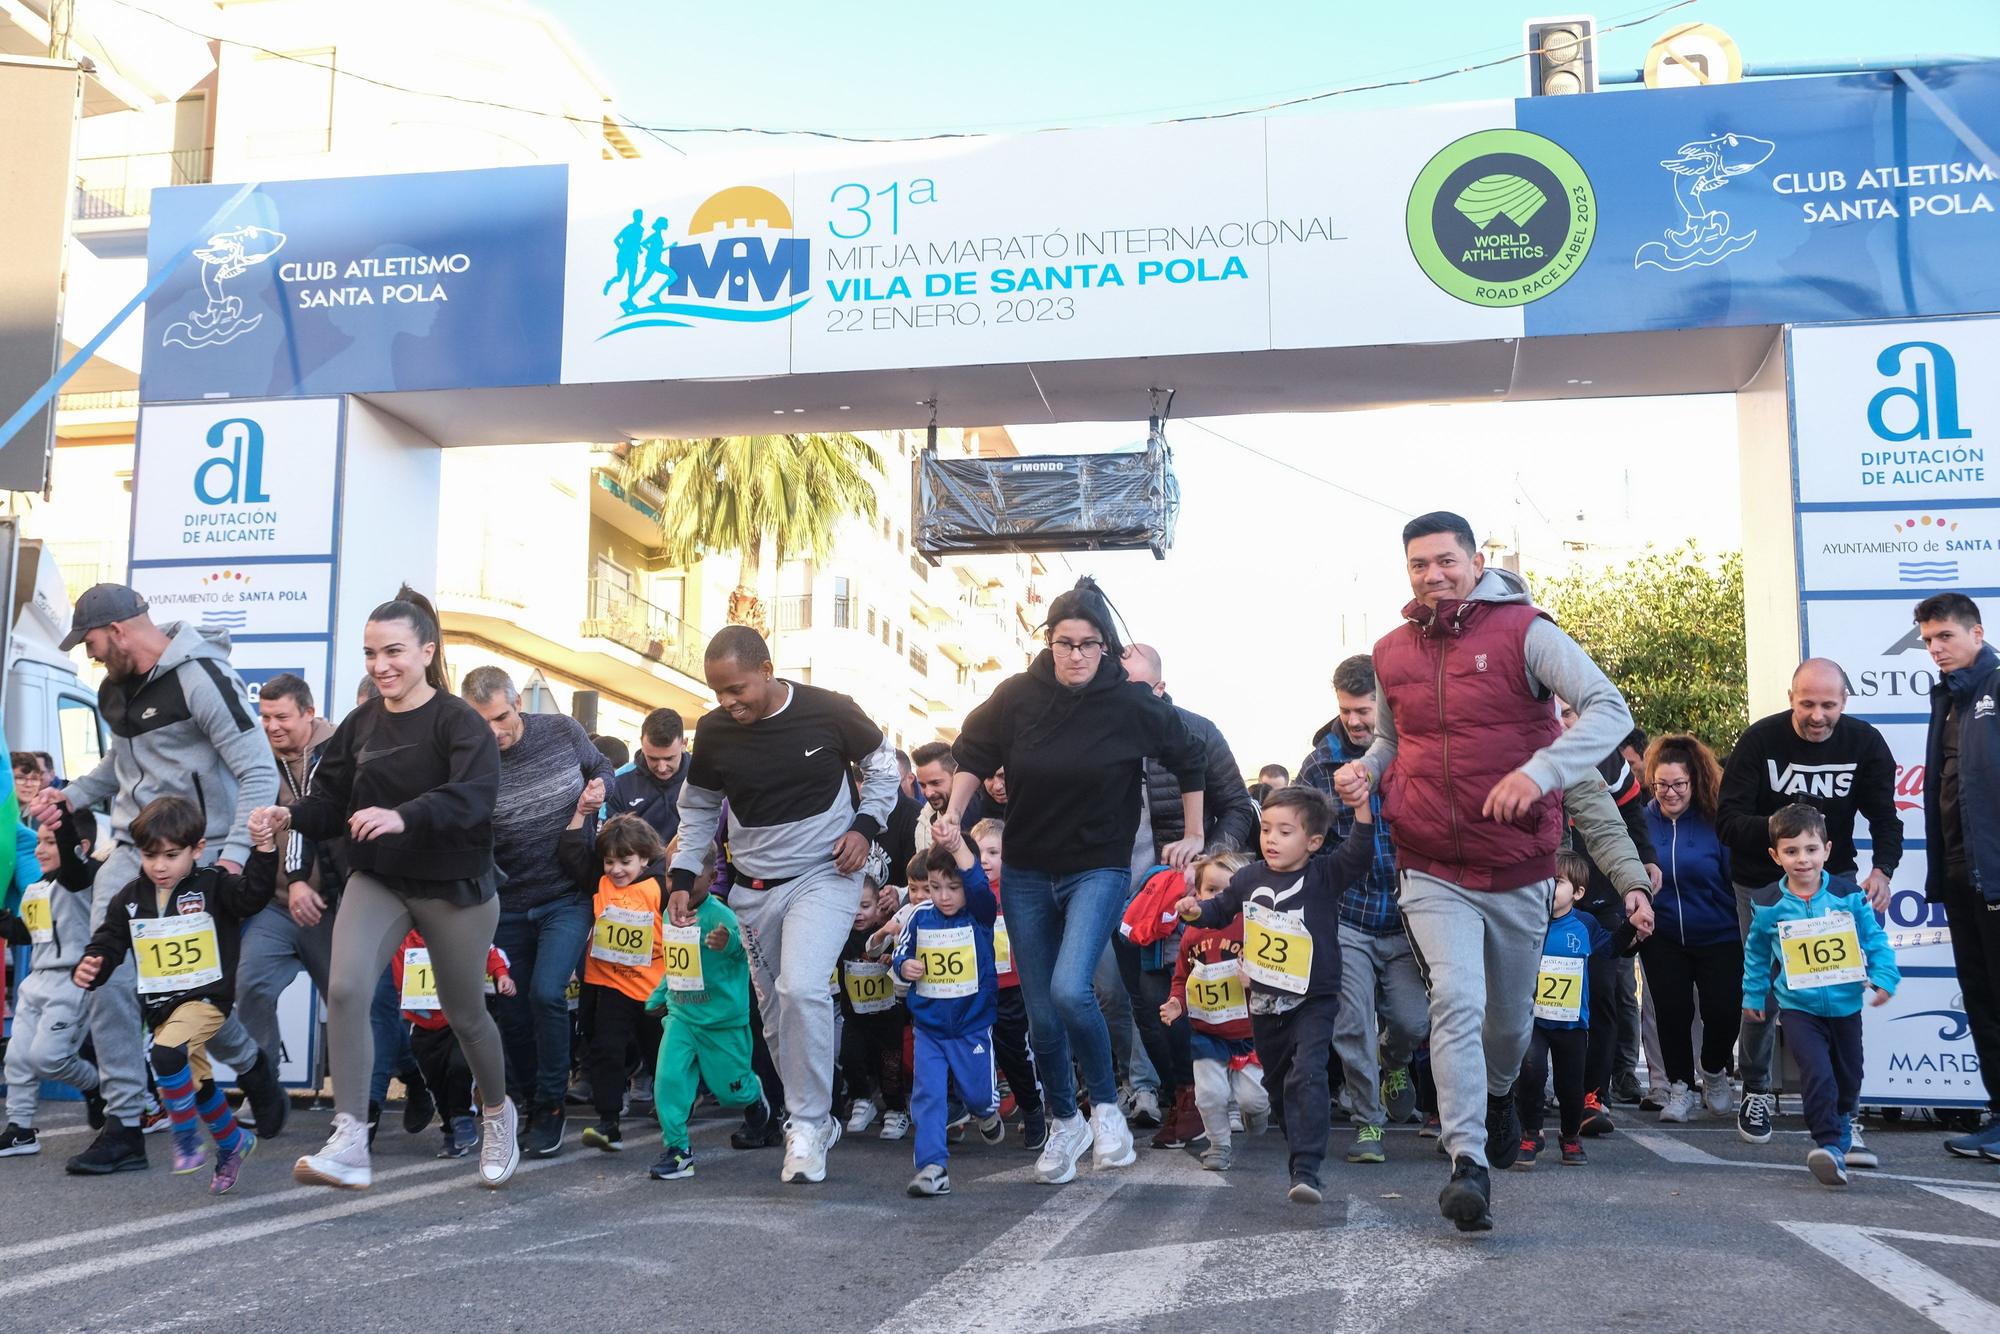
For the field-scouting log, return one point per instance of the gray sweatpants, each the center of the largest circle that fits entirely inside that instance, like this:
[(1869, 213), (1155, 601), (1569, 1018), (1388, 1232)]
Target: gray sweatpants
[(1383, 1012), (794, 935), (48, 1030), (115, 1027), (275, 950), (1756, 1039), (1479, 952), (367, 931)]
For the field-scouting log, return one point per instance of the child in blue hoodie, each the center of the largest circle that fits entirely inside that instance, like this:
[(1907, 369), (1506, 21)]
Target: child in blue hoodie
[(946, 953), (1830, 945)]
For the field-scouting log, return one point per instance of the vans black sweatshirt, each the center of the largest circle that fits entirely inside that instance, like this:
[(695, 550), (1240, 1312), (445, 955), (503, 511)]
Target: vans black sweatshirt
[(1851, 772), (1075, 762)]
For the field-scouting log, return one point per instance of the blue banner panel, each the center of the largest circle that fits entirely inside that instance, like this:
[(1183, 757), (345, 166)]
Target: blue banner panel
[(1787, 201), (426, 281)]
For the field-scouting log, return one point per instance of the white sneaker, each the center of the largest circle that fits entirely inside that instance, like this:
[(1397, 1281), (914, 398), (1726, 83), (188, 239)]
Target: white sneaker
[(1235, 1119), (1680, 1103), (1715, 1093), (860, 1116), (1145, 1108), (1069, 1139), (895, 1125), (344, 1160), (1113, 1138), (805, 1151), (499, 1144), (1859, 1154)]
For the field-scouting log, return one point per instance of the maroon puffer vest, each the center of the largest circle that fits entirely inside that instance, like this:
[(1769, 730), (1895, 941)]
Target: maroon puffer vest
[(1456, 682)]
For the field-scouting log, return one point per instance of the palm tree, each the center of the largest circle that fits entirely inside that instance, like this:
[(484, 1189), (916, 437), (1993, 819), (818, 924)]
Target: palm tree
[(739, 493)]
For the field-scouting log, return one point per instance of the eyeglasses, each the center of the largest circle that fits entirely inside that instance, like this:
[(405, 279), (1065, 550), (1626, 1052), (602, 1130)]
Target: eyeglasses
[(1089, 648), (1675, 785)]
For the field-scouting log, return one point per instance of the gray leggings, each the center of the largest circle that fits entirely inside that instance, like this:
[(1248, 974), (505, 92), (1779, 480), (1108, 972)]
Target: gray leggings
[(368, 929)]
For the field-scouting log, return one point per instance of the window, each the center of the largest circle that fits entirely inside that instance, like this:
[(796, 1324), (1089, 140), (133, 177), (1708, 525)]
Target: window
[(844, 612), (293, 94), (871, 620), (902, 541), (899, 641), (82, 735)]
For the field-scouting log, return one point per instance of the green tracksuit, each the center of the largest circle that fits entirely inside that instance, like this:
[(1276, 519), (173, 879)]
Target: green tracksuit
[(707, 1038)]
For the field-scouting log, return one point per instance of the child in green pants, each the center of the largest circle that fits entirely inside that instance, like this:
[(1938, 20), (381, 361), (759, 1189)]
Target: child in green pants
[(706, 994)]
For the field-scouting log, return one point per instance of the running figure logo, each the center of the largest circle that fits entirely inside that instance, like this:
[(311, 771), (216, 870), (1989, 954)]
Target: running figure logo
[(635, 243), (1704, 237), (227, 255)]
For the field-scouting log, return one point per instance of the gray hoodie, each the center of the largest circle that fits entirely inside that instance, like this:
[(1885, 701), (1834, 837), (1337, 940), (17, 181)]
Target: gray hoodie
[(1556, 666), (184, 729)]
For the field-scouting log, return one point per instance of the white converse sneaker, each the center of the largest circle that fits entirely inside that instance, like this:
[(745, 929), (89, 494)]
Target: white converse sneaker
[(1113, 1138), (861, 1115), (1681, 1102), (499, 1144), (344, 1160), (805, 1151), (1859, 1154), (1069, 1139)]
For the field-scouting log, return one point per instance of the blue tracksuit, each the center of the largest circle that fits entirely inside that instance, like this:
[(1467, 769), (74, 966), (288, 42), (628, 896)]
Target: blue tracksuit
[(953, 1034), (1574, 935)]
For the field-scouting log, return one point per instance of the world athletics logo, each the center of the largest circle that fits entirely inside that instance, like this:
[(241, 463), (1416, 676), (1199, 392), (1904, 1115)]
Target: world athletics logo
[(740, 263)]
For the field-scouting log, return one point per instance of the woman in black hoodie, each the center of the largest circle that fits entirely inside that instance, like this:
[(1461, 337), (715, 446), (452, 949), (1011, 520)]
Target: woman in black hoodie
[(1073, 734)]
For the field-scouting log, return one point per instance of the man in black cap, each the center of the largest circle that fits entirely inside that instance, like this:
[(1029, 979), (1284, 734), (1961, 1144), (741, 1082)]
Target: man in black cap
[(181, 725)]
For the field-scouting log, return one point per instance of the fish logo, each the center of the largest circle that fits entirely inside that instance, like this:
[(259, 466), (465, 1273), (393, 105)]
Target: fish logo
[(739, 263), (1955, 1027), (226, 257), (1704, 236)]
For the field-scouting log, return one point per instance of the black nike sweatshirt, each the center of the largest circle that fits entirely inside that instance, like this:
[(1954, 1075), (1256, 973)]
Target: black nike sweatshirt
[(436, 765), (1075, 762)]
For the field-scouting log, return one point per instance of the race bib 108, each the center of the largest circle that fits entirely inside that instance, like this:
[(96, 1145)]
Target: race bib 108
[(623, 936)]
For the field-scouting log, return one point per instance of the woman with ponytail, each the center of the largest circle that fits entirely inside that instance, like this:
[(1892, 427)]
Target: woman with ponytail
[(409, 780), (1073, 733)]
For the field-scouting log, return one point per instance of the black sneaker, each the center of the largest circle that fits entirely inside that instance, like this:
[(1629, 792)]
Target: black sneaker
[(760, 1129), (117, 1148), (1625, 1090), (545, 1134), (1467, 1198), (93, 1110), (419, 1107), (1503, 1131), (605, 1135), (1305, 1189), (673, 1165), (1034, 1130), (269, 1103), (1753, 1117), (19, 1141)]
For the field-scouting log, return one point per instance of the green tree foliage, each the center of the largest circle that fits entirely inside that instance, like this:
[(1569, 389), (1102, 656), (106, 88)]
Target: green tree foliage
[(742, 493), (1667, 627)]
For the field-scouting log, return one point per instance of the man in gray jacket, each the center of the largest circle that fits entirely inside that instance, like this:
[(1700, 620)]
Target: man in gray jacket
[(181, 726)]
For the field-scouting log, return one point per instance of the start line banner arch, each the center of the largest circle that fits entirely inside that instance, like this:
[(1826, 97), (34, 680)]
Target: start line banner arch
[(1785, 202)]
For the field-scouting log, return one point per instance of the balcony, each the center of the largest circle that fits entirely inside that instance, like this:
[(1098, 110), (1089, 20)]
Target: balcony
[(794, 611), (122, 187), (617, 614)]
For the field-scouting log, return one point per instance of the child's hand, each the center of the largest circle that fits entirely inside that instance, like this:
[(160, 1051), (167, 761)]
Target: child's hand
[(717, 939), (912, 970), (1755, 1016), (504, 986), (1170, 1011), (592, 798), (1188, 909), (1877, 996), (86, 970)]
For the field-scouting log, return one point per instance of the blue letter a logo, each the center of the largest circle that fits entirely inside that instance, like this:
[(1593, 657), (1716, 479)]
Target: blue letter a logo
[(1927, 360), (241, 467)]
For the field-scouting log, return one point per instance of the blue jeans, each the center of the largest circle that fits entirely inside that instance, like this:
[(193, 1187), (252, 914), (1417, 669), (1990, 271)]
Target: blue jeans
[(543, 947), (392, 1039), (1059, 926)]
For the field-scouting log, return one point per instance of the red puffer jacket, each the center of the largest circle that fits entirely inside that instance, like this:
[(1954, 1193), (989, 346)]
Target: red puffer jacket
[(1456, 682)]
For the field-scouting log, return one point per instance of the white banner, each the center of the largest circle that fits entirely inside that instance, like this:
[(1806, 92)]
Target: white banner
[(243, 599), (219, 482), (1917, 1048)]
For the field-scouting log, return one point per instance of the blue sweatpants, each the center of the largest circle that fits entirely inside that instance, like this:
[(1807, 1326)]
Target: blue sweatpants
[(1828, 1050), (940, 1062)]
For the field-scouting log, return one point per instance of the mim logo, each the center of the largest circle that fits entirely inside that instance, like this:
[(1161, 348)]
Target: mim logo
[(236, 475), (1932, 413), (1811, 780)]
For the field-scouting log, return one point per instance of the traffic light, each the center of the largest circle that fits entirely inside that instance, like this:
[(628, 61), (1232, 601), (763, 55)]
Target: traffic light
[(1562, 56)]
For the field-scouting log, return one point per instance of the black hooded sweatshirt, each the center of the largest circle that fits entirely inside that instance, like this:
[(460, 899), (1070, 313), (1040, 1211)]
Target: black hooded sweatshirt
[(1075, 761)]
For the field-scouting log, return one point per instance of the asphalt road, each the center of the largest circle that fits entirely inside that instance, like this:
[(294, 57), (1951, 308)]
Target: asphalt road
[(1664, 1230)]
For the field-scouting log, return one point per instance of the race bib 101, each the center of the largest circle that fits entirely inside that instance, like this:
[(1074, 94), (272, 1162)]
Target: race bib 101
[(870, 989)]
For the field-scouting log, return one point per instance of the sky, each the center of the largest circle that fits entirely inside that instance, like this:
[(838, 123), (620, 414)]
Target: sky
[(1287, 555)]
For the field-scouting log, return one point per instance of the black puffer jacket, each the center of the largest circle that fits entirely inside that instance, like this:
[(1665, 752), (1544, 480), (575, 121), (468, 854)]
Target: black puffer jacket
[(1229, 816)]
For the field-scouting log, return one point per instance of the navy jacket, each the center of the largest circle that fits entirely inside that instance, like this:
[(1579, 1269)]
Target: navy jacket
[(1978, 690), (636, 792), (1696, 904)]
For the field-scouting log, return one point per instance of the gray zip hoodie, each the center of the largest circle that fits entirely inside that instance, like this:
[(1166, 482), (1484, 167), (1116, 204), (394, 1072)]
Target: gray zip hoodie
[(184, 729)]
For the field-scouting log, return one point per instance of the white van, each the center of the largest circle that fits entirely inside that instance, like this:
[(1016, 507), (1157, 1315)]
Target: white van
[(47, 706)]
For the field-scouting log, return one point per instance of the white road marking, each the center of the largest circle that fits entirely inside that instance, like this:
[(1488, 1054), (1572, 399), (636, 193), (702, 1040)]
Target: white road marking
[(1985, 1201), (1864, 1252), (1676, 1151), (1005, 1288), (203, 1239)]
